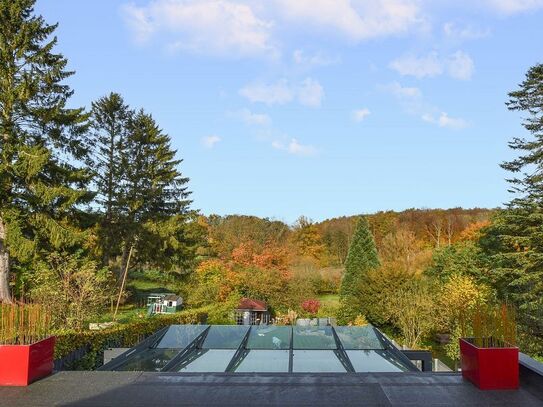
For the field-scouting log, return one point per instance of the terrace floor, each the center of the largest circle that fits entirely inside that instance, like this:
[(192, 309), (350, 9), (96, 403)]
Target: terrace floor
[(102, 388)]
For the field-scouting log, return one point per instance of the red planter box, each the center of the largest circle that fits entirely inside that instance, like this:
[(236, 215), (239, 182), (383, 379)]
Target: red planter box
[(489, 368), (20, 365)]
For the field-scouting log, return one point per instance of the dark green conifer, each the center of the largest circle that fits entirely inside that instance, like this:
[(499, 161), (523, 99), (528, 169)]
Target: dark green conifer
[(154, 195), (361, 258), (110, 117), (516, 237), (41, 142)]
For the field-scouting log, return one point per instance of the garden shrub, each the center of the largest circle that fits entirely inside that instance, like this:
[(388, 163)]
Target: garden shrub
[(126, 335)]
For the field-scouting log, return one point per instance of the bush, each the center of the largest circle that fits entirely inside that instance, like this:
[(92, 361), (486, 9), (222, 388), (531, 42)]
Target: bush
[(128, 335), (72, 287), (311, 306)]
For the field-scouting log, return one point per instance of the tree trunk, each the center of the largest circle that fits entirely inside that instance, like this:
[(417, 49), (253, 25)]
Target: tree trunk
[(124, 258), (4, 266)]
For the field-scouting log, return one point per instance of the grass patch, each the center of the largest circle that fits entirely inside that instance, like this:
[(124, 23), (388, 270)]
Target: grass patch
[(329, 305)]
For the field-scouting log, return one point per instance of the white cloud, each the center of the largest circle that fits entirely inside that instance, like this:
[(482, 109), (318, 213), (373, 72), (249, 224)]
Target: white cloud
[(514, 6), (458, 32), (358, 20), (414, 103), (420, 67), (402, 91), (207, 26), (458, 65), (270, 94), (210, 141), (250, 118), (294, 147), (444, 120), (308, 61), (308, 93), (360, 114)]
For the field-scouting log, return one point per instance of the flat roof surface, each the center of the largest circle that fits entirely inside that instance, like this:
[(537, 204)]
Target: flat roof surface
[(264, 389)]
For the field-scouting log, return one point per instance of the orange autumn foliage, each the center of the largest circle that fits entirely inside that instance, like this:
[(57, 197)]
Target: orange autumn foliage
[(473, 231), (270, 257)]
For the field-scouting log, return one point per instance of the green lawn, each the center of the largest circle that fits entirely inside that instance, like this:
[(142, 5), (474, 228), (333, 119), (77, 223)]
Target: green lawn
[(138, 286), (329, 305)]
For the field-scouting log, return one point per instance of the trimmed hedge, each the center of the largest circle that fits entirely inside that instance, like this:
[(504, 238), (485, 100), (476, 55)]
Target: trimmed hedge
[(125, 335)]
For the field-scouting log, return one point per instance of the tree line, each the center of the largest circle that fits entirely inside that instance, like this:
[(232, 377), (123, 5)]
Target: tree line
[(493, 260)]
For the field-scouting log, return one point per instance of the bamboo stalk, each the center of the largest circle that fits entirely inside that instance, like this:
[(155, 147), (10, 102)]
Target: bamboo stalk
[(23, 323)]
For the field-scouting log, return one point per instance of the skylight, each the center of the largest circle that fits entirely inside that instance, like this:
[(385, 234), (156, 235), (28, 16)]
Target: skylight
[(264, 349)]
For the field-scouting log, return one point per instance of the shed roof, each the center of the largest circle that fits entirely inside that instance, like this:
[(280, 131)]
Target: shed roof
[(172, 297), (255, 305)]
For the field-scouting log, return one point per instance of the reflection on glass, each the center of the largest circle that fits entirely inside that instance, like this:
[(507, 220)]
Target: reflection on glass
[(269, 337), (225, 336), (265, 361), (212, 360), (149, 360), (375, 361), (314, 337), (180, 336), (358, 337), (316, 361)]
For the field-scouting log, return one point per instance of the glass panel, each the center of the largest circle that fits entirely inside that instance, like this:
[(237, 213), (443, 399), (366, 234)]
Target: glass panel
[(358, 337), (225, 336), (149, 360), (212, 360), (314, 337), (375, 361), (180, 336), (269, 337), (316, 361), (265, 361)]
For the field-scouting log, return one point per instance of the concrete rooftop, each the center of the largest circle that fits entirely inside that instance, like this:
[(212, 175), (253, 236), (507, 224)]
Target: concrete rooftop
[(226, 389)]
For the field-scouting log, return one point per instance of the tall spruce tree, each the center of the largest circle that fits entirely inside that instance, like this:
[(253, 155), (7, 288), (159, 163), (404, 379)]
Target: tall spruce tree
[(40, 140), (154, 195), (361, 258), (110, 117), (518, 230)]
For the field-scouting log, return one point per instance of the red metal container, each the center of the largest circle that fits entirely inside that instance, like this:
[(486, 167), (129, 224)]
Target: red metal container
[(490, 368), (20, 365)]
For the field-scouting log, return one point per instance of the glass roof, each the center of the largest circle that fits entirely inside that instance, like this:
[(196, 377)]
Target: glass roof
[(269, 337), (358, 337), (265, 361), (316, 361), (375, 361), (314, 337), (152, 360), (180, 336), (209, 360), (225, 336), (264, 348)]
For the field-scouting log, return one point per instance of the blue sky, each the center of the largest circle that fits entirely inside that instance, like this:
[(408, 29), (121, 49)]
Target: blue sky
[(318, 107)]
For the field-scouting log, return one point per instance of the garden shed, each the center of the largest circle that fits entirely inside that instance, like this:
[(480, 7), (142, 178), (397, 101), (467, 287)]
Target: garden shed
[(163, 303), (252, 312)]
